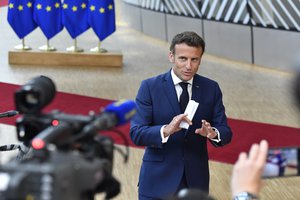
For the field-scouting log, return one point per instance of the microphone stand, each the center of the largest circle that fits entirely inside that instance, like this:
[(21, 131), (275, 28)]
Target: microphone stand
[(10, 113)]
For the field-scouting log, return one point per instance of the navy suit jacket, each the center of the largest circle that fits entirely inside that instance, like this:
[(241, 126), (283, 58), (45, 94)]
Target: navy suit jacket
[(163, 163)]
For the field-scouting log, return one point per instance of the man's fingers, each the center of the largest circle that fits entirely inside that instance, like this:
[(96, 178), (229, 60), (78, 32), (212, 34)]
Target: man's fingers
[(254, 151), (180, 117), (187, 120), (259, 152), (242, 157), (199, 131), (263, 152)]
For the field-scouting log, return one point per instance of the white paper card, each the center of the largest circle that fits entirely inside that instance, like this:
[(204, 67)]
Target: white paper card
[(190, 110)]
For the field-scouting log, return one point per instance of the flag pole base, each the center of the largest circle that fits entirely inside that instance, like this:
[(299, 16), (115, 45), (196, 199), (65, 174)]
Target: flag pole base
[(98, 50), (47, 48), (22, 47), (74, 49)]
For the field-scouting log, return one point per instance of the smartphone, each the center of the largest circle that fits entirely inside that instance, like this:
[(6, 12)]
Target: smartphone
[(282, 162)]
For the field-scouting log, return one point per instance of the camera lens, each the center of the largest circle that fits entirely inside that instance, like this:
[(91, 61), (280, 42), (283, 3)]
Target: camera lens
[(35, 95)]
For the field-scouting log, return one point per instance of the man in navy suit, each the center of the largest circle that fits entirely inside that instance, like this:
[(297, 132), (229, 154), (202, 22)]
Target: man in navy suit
[(177, 158)]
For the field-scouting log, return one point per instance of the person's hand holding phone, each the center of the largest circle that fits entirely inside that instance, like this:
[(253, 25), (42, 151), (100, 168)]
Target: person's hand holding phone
[(247, 171)]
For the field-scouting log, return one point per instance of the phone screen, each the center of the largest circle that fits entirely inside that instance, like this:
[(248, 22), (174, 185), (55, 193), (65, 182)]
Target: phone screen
[(282, 162)]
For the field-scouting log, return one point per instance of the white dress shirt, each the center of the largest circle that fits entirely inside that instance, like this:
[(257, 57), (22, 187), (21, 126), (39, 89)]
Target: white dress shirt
[(178, 89)]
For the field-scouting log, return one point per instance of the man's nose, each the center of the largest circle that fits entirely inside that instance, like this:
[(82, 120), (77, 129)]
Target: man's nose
[(188, 64)]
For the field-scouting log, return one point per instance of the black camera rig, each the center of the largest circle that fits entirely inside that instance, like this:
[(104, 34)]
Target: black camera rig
[(68, 159)]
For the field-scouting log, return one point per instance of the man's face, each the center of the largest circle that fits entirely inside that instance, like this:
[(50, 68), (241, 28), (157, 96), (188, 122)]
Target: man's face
[(186, 60)]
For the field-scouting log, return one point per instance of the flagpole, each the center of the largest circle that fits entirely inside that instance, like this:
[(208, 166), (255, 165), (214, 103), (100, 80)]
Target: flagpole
[(75, 48), (22, 46), (47, 47), (98, 49)]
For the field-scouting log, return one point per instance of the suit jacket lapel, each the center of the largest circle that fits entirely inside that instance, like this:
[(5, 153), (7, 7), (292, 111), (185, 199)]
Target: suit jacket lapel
[(196, 91), (170, 92)]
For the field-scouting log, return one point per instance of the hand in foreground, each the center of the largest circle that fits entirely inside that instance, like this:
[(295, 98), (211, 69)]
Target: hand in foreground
[(173, 126), (206, 130), (247, 171)]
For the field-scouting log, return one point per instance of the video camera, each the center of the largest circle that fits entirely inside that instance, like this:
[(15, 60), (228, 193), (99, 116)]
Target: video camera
[(68, 158)]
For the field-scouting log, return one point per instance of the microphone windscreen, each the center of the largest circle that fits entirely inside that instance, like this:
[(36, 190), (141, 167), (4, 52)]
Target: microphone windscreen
[(123, 109)]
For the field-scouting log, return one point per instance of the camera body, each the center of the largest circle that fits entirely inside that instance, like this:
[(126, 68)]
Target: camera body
[(68, 158), (31, 125), (63, 175)]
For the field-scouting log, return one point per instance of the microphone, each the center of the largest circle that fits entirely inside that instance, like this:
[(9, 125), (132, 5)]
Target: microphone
[(115, 114), (123, 110), (10, 113)]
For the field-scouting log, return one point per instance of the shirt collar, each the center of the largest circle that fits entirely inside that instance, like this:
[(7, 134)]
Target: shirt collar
[(177, 80)]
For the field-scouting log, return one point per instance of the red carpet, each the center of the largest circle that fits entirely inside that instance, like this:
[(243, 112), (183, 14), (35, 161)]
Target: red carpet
[(3, 3), (244, 132)]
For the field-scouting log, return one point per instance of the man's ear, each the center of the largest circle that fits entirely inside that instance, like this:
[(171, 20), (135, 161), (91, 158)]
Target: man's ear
[(171, 57)]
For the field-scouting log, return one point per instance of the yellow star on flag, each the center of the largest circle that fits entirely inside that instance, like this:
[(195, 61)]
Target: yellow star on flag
[(11, 6), (39, 6), (92, 8), (65, 6), (110, 7), (74, 8), (83, 5), (57, 5), (29, 4), (101, 10), (20, 7), (48, 8)]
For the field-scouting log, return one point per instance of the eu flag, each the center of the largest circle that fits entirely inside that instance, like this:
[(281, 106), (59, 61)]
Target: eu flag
[(101, 17), (20, 17), (47, 14), (75, 16)]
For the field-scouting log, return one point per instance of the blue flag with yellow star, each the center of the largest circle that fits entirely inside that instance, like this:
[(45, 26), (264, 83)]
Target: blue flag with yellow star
[(101, 17), (75, 16), (47, 14), (20, 17)]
